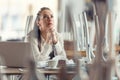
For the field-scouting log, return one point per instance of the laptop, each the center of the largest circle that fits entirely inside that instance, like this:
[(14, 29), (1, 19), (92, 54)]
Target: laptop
[(15, 54)]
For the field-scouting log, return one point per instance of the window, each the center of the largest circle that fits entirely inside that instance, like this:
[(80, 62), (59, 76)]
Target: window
[(13, 16)]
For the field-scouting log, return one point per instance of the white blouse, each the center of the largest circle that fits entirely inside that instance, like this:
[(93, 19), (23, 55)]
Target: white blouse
[(46, 48)]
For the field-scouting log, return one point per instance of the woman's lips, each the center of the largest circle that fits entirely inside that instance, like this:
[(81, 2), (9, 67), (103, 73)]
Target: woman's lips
[(49, 23)]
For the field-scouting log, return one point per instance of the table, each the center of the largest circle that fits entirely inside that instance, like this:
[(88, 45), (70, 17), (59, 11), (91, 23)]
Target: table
[(70, 53), (46, 71)]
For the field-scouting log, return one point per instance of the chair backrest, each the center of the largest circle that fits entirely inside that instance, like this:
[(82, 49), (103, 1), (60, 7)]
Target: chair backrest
[(69, 49)]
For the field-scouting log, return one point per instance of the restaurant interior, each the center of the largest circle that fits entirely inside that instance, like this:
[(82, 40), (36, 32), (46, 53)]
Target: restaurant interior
[(90, 30)]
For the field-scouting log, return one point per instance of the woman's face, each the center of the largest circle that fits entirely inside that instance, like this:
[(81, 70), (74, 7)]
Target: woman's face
[(46, 21)]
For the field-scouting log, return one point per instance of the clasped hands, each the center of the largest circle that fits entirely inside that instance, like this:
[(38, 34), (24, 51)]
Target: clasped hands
[(51, 36)]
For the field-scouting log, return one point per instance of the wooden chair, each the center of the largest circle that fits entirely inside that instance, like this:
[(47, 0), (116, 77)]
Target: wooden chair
[(69, 48)]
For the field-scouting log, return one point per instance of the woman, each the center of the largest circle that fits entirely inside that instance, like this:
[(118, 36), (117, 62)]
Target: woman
[(45, 41)]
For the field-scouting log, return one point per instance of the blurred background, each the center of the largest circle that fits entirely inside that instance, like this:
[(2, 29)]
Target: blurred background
[(13, 15), (68, 14)]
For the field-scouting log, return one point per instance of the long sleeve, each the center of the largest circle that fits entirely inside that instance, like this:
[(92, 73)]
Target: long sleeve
[(43, 55), (60, 47), (38, 56)]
